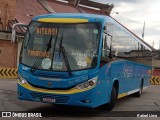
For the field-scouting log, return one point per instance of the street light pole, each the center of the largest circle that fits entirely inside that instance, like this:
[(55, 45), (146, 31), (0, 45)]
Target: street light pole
[(143, 30)]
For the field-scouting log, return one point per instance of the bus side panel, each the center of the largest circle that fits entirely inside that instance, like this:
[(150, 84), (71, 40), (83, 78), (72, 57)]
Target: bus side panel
[(138, 73), (103, 85), (118, 73), (129, 75), (133, 76), (107, 75)]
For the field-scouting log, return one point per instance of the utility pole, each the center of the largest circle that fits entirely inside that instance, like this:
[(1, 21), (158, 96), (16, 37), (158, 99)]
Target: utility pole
[(143, 30), (153, 44), (142, 47), (159, 44)]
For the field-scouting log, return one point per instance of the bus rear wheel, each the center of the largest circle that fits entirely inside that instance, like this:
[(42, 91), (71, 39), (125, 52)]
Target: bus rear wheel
[(139, 93), (109, 106)]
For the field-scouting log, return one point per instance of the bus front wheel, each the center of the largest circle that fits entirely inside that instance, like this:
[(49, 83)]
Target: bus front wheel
[(109, 106)]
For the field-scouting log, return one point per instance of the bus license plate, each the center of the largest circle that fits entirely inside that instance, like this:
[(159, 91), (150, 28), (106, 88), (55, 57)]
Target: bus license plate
[(51, 100)]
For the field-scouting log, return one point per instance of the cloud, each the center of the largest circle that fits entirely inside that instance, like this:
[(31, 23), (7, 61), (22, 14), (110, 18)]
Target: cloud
[(133, 13)]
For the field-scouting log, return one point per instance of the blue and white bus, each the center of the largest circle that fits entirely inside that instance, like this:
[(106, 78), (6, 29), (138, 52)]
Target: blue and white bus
[(81, 60)]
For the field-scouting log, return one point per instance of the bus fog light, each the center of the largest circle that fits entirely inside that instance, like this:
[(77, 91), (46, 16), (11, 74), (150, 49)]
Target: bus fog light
[(20, 94), (86, 101)]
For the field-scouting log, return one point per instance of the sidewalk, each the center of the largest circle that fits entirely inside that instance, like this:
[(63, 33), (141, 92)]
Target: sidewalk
[(8, 79), (8, 84)]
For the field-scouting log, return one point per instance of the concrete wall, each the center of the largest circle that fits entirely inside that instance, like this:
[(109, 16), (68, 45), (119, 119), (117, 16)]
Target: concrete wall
[(7, 12), (19, 49), (156, 63), (8, 54)]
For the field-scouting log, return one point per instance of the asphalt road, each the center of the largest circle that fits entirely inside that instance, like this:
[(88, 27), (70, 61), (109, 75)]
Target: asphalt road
[(125, 108)]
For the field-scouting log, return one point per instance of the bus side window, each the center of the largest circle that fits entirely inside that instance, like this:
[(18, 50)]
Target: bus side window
[(105, 51)]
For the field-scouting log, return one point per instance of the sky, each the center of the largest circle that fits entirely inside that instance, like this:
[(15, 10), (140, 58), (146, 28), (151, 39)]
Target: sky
[(133, 13)]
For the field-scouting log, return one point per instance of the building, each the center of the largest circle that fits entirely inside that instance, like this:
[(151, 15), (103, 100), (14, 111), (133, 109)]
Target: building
[(22, 11)]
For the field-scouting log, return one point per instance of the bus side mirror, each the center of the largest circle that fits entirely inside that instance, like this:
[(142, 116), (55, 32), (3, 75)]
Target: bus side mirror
[(14, 31), (105, 53), (108, 28)]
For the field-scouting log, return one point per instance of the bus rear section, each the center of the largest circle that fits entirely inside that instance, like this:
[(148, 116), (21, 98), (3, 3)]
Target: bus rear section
[(78, 60)]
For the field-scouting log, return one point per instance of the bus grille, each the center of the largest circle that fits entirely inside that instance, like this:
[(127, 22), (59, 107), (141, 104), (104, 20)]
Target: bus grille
[(58, 98)]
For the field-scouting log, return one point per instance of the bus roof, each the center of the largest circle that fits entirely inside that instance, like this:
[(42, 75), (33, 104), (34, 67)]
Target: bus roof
[(72, 15)]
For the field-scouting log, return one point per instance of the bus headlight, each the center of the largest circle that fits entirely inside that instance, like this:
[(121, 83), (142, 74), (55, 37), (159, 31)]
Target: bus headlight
[(22, 80), (86, 85)]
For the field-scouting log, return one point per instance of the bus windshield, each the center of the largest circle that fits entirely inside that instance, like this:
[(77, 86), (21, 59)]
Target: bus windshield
[(61, 47)]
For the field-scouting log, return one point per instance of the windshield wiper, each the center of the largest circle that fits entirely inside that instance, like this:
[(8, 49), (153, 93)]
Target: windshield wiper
[(49, 44), (38, 60), (62, 49)]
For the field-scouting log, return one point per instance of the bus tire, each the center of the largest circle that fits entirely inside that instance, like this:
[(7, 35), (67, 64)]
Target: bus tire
[(109, 106), (139, 93)]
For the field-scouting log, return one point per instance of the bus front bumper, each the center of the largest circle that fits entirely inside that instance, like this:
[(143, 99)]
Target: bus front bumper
[(72, 97)]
